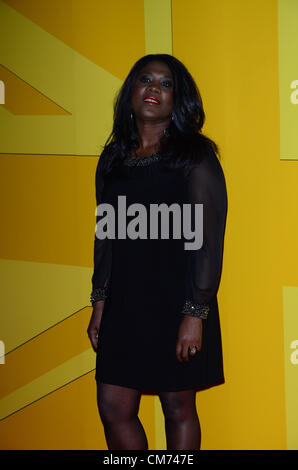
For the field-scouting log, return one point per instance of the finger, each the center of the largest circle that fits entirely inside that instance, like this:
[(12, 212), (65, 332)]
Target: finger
[(185, 352), (178, 351), (199, 344), (94, 344), (93, 336), (194, 349)]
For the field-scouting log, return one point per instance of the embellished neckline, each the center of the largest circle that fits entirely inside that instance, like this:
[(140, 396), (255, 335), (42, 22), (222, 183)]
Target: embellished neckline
[(142, 161)]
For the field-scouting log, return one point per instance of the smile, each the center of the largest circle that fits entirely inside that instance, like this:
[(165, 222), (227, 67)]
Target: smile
[(151, 99)]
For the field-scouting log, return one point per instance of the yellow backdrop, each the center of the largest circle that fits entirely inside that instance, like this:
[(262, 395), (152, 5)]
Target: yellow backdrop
[(62, 63)]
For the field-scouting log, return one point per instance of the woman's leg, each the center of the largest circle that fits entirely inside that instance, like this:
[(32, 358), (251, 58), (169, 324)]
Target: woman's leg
[(182, 424), (118, 408)]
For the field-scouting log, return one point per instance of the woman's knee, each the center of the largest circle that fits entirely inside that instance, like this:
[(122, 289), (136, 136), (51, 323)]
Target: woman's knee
[(178, 406), (116, 406), (110, 410)]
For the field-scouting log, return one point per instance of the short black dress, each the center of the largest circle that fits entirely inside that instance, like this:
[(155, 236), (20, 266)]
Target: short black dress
[(150, 280)]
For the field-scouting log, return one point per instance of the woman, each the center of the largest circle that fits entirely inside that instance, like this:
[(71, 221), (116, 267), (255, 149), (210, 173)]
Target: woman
[(155, 323)]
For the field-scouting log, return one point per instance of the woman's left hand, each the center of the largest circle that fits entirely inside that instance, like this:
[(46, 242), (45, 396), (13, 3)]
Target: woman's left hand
[(189, 336)]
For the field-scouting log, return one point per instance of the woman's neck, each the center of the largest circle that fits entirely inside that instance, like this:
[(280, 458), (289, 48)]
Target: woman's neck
[(150, 135)]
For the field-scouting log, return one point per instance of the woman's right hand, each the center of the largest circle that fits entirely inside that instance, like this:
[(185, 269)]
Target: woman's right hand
[(93, 327)]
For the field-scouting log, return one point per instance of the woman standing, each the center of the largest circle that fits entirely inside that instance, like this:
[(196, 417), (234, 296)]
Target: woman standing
[(155, 323)]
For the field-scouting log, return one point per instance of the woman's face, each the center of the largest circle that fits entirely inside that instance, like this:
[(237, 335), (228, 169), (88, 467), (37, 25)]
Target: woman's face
[(152, 96)]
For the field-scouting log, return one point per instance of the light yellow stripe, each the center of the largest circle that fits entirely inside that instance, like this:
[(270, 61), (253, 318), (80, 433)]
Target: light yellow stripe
[(47, 383), (288, 72), (290, 307), (158, 26), (25, 99)]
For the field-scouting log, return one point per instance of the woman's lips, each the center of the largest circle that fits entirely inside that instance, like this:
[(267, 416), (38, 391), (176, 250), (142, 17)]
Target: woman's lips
[(151, 99)]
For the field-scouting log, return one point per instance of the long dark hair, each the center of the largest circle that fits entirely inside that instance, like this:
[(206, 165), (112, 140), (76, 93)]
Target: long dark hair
[(184, 143)]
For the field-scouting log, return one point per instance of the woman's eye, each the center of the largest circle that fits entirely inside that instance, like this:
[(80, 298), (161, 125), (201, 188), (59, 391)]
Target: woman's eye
[(148, 79), (167, 83), (144, 79)]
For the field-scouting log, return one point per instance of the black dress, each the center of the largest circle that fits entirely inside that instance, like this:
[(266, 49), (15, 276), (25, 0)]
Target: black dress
[(149, 281)]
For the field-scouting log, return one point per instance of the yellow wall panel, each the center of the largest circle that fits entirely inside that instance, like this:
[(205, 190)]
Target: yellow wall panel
[(290, 301), (109, 33), (21, 98), (231, 48), (50, 216), (66, 58), (67, 418), (62, 75)]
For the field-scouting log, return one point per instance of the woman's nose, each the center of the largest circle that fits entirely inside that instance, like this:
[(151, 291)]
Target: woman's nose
[(153, 86)]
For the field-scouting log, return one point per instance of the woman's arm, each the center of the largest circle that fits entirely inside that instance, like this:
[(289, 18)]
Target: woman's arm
[(205, 185), (102, 266), (102, 248)]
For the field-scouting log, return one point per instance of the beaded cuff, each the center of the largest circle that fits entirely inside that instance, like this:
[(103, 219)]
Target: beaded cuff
[(99, 293), (196, 310)]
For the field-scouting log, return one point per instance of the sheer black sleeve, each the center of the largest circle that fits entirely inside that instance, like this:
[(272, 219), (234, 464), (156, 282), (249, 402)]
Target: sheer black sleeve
[(102, 247), (206, 185)]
